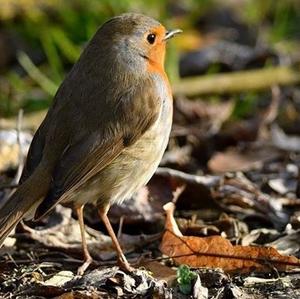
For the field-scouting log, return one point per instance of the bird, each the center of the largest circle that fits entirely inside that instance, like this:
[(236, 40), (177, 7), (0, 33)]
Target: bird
[(106, 131)]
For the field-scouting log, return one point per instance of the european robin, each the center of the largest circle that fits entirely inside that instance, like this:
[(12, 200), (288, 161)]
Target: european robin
[(106, 131)]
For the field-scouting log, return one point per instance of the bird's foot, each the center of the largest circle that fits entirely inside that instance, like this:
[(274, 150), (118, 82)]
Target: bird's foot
[(84, 266), (124, 265)]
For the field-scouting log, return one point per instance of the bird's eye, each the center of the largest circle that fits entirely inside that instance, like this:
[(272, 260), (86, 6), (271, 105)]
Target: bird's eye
[(151, 38)]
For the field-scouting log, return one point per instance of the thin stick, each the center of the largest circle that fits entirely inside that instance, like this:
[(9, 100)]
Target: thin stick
[(21, 156), (236, 82), (49, 86), (207, 180)]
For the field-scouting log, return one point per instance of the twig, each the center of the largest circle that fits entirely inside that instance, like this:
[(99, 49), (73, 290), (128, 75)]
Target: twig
[(178, 192), (267, 116), (119, 234), (273, 108), (207, 180), (30, 122), (11, 259), (21, 156), (238, 81), (16, 179), (47, 85)]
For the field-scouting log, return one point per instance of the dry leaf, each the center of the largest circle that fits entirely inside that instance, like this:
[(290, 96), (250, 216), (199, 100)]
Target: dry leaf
[(235, 160), (218, 252), (160, 271), (59, 279)]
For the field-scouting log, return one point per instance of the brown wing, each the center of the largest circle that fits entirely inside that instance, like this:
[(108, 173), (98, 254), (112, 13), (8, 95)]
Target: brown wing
[(35, 152), (132, 114)]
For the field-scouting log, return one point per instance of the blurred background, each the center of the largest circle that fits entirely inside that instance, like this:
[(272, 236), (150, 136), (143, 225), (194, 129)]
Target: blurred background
[(41, 39)]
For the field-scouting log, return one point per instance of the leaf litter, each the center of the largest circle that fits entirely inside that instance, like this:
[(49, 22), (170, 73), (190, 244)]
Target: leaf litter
[(220, 214)]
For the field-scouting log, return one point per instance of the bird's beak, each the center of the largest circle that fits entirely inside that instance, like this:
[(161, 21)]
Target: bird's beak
[(171, 33)]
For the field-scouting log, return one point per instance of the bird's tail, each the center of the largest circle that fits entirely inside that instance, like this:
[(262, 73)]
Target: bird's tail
[(27, 196)]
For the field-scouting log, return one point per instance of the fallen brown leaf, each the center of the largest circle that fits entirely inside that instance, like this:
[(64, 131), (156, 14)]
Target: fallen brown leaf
[(234, 160), (217, 252)]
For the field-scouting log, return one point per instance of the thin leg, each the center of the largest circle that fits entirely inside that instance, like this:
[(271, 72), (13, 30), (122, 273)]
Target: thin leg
[(121, 257), (87, 257)]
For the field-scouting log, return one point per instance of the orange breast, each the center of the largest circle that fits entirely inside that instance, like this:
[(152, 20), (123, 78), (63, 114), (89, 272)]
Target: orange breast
[(157, 56)]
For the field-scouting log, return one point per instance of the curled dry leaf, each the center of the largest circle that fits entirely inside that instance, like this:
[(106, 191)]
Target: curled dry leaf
[(217, 252)]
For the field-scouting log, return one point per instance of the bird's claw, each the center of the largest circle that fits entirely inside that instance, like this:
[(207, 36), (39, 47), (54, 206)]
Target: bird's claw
[(84, 266), (124, 265)]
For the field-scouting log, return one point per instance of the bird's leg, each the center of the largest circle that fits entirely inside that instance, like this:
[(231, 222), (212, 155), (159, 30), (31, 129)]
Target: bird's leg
[(121, 257), (87, 257)]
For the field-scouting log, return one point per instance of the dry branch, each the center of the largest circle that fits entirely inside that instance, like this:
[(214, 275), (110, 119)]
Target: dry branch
[(207, 180), (252, 80)]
